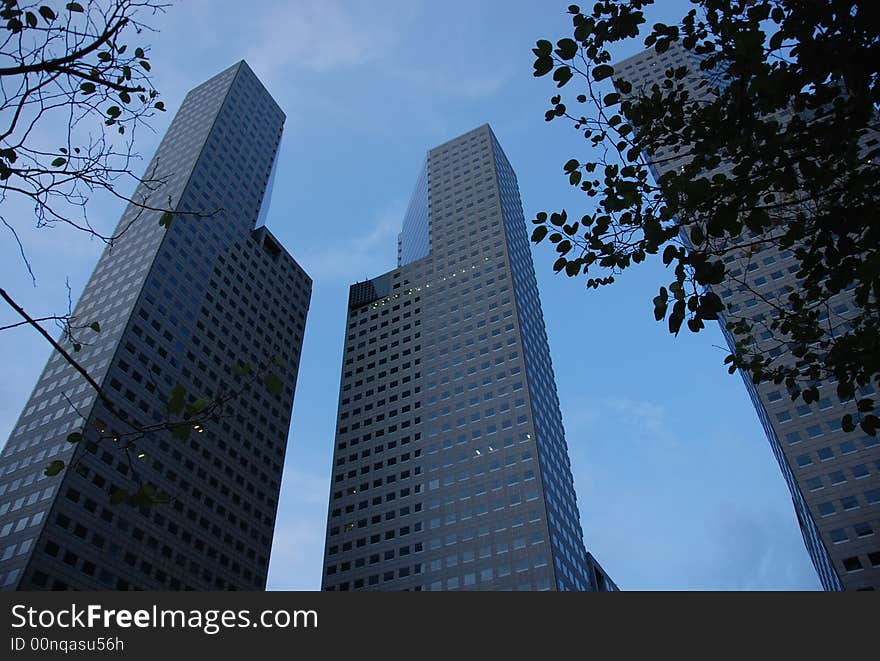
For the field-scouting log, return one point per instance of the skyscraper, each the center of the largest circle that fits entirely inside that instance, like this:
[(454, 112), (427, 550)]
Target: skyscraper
[(450, 466), (833, 476), (187, 305)]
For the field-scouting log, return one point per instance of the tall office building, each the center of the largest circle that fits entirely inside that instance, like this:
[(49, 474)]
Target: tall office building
[(833, 476), (186, 305), (450, 467)]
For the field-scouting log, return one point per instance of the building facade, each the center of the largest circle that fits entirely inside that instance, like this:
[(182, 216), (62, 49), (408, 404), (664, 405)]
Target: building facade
[(833, 476), (191, 304), (450, 466)]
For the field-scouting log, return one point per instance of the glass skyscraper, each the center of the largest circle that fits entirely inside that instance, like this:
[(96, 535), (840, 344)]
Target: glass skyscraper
[(185, 305), (450, 466), (833, 476)]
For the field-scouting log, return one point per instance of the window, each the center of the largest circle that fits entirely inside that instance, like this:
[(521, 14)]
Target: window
[(838, 536), (825, 454), (852, 564), (863, 530), (825, 509), (847, 447), (803, 460)]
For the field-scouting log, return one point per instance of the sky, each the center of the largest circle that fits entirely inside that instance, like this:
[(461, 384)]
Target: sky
[(676, 483)]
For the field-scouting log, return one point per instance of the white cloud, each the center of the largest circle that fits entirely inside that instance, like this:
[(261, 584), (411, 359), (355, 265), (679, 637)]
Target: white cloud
[(746, 536), (361, 256), (646, 416), (298, 543), (297, 553), (322, 35), (455, 82), (305, 488), (582, 416)]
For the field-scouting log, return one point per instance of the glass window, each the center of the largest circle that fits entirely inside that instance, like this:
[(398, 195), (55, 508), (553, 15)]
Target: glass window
[(825, 509), (838, 536), (863, 530), (847, 447)]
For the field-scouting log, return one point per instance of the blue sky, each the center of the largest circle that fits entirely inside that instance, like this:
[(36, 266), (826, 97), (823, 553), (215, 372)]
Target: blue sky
[(676, 483)]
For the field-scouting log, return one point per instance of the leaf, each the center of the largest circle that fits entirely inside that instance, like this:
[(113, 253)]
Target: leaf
[(47, 14), (114, 111), (661, 304), (147, 496), (95, 326), (273, 384), (710, 305), (176, 400), (181, 432), (611, 99), (54, 468), (544, 47), (562, 75), (139, 53), (539, 233), (566, 48), (159, 106), (58, 162), (31, 19), (87, 88), (165, 220), (677, 317), (118, 496), (198, 406), (846, 423), (75, 437), (602, 72), (75, 7)]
